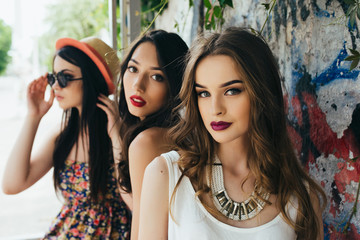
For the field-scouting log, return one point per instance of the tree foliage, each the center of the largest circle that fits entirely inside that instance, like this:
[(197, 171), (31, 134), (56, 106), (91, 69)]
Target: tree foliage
[(5, 44), (75, 19)]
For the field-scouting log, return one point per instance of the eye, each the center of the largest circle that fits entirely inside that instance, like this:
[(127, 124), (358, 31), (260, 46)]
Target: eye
[(203, 94), (233, 91), (132, 69), (68, 76), (157, 77)]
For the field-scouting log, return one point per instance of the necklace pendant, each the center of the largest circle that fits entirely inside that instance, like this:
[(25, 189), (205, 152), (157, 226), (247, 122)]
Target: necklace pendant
[(231, 209), (220, 196)]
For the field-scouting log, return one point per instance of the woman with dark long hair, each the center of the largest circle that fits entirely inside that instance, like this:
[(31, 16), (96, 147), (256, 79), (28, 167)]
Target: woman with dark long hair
[(150, 79), (234, 174), (81, 152)]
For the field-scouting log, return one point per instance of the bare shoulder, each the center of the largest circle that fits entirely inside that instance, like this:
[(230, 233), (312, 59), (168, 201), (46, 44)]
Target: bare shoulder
[(158, 167), (156, 177), (150, 134), (151, 139)]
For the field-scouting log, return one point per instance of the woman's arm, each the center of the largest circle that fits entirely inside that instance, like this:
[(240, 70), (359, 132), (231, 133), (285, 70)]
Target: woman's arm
[(24, 169), (143, 149), (155, 201)]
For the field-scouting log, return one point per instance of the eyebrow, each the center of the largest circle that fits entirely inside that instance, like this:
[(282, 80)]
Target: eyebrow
[(64, 71), (222, 85), (154, 68)]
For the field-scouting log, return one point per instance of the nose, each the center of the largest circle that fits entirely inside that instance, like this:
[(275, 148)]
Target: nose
[(217, 106), (56, 85), (139, 83)]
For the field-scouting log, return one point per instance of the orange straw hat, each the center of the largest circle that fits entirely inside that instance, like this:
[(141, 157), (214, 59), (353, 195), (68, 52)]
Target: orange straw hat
[(100, 53)]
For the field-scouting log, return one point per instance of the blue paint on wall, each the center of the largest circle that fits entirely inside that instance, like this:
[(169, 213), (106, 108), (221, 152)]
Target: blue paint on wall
[(335, 71)]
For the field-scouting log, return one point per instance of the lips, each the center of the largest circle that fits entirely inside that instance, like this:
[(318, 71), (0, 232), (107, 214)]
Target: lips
[(218, 126), (58, 97), (137, 101)]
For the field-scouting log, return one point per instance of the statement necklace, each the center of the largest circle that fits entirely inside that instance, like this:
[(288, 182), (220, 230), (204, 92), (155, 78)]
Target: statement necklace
[(229, 208)]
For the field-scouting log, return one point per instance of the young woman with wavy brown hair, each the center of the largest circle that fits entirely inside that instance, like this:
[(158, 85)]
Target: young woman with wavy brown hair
[(234, 174)]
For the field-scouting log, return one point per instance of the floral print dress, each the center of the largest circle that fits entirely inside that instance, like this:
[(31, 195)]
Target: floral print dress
[(80, 217)]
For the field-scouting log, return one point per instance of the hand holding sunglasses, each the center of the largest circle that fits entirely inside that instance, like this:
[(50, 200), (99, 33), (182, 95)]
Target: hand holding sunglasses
[(61, 77)]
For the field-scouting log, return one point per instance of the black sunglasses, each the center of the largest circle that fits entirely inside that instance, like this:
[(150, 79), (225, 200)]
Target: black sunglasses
[(61, 77)]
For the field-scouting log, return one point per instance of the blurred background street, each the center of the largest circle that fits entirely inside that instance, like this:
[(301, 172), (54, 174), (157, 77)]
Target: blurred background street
[(29, 213)]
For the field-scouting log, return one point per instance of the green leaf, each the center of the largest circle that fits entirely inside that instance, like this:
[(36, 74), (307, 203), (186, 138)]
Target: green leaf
[(208, 25), (229, 3), (217, 11), (354, 64), (207, 16), (349, 2), (358, 12), (354, 51), (191, 3), (266, 5), (351, 58), (352, 19), (207, 4), (354, 159), (222, 3), (350, 10)]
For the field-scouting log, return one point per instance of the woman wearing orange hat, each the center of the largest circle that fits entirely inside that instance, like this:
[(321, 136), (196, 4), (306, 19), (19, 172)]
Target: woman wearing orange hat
[(81, 152)]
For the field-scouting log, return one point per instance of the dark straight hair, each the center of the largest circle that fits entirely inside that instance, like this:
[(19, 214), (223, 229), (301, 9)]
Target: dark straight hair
[(171, 51), (92, 121)]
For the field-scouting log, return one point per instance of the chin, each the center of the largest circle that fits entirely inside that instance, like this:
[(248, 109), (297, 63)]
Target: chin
[(135, 113)]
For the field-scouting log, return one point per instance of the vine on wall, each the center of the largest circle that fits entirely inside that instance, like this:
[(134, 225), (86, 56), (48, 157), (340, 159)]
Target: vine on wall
[(214, 16), (353, 16)]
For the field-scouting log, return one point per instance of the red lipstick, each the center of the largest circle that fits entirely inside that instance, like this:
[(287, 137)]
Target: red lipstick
[(137, 101), (218, 126)]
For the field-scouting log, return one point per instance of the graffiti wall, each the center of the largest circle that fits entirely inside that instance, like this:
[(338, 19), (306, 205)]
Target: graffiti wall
[(311, 39)]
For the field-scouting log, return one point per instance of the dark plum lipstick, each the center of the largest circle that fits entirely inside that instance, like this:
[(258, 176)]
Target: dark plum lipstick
[(137, 101), (218, 126)]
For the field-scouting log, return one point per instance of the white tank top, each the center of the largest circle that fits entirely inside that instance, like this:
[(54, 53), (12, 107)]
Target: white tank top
[(192, 221)]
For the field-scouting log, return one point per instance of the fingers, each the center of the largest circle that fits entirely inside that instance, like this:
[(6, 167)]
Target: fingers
[(52, 97), (37, 88), (104, 108), (44, 83), (109, 103), (38, 85)]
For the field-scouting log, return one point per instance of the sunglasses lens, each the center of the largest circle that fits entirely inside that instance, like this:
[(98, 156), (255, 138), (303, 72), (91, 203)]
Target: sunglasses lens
[(51, 79), (62, 79)]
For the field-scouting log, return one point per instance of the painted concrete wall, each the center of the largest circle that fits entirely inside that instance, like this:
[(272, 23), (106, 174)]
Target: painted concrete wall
[(310, 39)]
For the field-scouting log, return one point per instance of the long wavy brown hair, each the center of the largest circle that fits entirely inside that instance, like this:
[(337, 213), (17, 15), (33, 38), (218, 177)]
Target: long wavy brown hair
[(272, 159)]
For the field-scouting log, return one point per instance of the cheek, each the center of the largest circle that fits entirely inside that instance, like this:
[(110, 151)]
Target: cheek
[(77, 90), (203, 110), (160, 94), (244, 113), (126, 83)]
